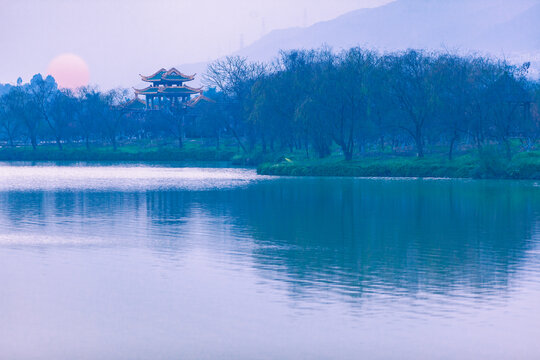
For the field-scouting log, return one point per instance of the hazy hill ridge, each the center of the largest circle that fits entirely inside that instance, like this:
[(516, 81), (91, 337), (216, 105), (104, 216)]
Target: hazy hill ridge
[(502, 28), (499, 27)]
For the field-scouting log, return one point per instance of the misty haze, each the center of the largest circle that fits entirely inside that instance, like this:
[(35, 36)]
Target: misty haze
[(237, 179)]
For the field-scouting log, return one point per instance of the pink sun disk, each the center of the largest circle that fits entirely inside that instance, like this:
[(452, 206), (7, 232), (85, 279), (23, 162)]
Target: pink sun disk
[(69, 70)]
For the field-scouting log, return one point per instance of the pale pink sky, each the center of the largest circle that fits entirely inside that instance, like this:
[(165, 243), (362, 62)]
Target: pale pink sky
[(121, 38)]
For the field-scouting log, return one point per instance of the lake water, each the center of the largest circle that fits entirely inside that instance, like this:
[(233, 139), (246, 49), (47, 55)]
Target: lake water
[(140, 262)]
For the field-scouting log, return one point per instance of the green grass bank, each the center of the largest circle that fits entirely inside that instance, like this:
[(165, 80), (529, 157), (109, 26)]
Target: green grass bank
[(487, 166), (136, 152)]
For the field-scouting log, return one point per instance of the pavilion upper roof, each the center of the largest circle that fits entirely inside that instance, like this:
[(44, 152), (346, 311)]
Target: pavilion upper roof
[(169, 90), (172, 75)]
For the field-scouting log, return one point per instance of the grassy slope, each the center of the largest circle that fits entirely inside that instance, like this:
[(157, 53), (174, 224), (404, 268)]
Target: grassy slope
[(522, 166)]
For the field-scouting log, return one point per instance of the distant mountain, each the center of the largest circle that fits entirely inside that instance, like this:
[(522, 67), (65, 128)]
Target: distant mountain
[(508, 28), (468, 25), (520, 34)]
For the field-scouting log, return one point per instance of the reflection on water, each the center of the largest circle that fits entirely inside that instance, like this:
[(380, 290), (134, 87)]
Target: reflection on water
[(120, 178), (138, 262)]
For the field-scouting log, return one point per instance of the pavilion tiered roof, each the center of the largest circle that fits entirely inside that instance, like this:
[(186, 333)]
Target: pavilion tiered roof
[(168, 76), (169, 90)]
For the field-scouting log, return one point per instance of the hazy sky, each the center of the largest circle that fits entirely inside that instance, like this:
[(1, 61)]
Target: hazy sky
[(120, 39)]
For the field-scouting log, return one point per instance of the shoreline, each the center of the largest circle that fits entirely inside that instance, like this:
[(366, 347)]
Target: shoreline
[(104, 154), (523, 166), (466, 167)]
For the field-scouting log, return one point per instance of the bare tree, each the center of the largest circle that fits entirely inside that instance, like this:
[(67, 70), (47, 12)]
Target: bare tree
[(111, 112), (235, 76), (41, 92), (9, 123), (413, 91)]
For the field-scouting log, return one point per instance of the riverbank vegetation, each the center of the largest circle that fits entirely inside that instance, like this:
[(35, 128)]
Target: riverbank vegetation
[(355, 112), (134, 151), (522, 166)]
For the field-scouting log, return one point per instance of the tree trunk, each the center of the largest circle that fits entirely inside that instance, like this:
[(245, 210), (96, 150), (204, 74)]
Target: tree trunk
[(362, 146), (348, 155), (179, 129), (33, 140), (451, 150), (59, 143), (478, 143), (180, 141), (54, 130), (346, 148), (240, 145), (418, 139), (508, 149), (10, 139)]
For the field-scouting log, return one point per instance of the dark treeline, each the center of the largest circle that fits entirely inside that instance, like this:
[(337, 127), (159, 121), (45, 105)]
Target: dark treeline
[(41, 112), (364, 102), (355, 101)]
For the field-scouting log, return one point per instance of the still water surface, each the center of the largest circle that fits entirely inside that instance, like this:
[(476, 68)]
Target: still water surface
[(140, 262)]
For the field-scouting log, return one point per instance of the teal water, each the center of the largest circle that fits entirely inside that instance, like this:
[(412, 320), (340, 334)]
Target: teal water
[(140, 262)]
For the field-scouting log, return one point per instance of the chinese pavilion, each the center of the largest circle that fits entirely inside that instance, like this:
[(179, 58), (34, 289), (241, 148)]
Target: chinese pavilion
[(167, 89)]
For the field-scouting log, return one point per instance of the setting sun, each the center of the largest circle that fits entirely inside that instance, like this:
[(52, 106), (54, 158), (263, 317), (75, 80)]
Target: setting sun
[(69, 70)]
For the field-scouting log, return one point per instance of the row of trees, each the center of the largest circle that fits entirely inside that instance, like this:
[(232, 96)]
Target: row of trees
[(40, 111), (360, 101), (314, 101)]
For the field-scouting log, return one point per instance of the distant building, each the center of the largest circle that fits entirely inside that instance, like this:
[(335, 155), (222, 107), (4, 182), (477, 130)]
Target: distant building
[(168, 90), (135, 105)]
